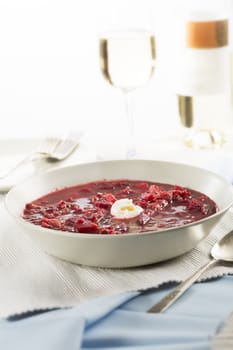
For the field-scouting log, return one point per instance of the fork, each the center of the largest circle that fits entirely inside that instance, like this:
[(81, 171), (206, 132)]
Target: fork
[(52, 149)]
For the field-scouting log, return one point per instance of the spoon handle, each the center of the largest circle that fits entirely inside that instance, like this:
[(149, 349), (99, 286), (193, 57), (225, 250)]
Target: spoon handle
[(169, 299)]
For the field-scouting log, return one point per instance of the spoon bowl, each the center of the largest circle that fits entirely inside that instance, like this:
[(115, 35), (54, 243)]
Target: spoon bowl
[(223, 249)]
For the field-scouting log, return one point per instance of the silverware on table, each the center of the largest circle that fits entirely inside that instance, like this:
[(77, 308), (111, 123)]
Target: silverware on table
[(52, 148), (221, 251)]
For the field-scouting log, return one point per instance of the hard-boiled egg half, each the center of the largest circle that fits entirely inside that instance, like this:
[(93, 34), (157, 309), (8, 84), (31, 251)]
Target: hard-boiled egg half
[(125, 209)]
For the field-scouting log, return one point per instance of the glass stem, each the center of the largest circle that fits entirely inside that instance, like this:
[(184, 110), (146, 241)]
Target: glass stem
[(131, 150)]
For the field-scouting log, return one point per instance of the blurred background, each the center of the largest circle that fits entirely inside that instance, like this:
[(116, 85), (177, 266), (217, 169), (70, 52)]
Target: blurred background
[(50, 78)]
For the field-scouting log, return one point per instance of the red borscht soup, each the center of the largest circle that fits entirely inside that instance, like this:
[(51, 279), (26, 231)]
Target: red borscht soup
[(119, 207)]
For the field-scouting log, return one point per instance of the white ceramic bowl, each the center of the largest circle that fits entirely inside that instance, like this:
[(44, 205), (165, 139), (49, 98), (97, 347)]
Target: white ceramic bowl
[(124, 250)]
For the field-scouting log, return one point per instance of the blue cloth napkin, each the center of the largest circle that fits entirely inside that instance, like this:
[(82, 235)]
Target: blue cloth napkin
[(120, 322)]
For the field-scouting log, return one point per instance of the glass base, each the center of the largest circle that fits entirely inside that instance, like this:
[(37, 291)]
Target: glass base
[(204, 139)]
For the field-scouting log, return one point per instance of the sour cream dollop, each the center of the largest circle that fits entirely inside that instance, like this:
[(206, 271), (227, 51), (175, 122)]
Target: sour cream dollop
[(125, 209)]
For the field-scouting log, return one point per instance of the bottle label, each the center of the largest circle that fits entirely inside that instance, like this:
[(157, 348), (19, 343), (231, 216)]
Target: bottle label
[(203, 60), (202, 71)]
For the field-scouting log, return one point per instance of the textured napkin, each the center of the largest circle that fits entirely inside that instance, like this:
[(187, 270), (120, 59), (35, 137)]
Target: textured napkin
[(31, 279), (110, 322)]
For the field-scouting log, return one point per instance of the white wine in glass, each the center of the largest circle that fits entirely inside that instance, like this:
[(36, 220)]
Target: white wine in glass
[(127, 60)]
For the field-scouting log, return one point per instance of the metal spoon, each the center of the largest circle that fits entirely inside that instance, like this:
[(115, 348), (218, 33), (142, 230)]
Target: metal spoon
[(221, 251)]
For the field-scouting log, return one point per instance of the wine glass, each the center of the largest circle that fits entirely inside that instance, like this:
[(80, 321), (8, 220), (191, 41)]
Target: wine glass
[(127, 61)]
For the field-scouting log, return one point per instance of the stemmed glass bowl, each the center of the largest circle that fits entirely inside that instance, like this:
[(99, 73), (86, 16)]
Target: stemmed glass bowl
[(127, 62)]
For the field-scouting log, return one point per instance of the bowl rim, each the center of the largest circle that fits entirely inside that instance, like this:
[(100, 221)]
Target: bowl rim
[(112, 236)]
